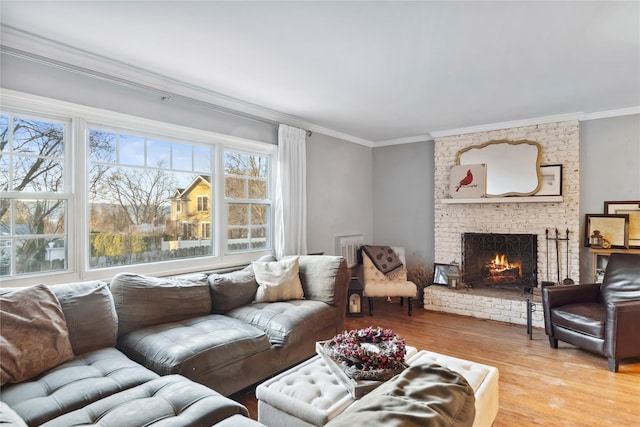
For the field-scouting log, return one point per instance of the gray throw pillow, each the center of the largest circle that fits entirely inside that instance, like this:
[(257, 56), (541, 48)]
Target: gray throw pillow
[(144, 301), (90, 314), (232, 290)]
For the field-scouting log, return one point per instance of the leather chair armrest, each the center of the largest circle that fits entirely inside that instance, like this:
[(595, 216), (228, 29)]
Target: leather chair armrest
[(622, 333), (557, 296)]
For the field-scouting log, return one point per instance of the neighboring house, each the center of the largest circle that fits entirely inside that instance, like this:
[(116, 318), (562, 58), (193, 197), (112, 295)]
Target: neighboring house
[(191, 210)]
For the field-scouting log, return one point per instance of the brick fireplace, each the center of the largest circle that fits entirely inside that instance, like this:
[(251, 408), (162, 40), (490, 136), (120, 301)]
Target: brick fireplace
[(560, 145)]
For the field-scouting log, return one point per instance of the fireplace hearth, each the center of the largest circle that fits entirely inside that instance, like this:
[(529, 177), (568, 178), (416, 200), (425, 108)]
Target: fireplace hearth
[(506, 261)]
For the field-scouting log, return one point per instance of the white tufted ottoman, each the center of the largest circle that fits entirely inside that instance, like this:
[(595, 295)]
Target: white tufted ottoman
[(482, 378), (309, 394)]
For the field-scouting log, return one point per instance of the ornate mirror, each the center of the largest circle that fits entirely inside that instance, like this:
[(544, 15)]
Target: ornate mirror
[(513, 167)]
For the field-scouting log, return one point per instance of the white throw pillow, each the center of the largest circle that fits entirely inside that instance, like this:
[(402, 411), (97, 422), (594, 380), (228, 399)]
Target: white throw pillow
[(278, 280)]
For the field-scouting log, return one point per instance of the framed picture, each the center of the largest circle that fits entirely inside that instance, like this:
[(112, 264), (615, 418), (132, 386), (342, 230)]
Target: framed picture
[(613, 228), (441, 273), (551, 180), (631, 208), (468, 181)]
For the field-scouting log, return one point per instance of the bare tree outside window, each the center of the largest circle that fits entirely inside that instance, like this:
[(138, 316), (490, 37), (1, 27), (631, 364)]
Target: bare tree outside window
[(134, 180), (32, 228)]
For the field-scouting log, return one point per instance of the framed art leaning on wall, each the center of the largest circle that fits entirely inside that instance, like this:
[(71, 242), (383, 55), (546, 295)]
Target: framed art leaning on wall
[(631, 208), (612, 228), (467, 181)]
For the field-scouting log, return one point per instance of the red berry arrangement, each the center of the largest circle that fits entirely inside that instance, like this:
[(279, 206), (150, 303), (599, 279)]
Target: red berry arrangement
[(369, 349)]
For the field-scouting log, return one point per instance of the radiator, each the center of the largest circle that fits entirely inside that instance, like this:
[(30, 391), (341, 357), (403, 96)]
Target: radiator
[(348, 246)]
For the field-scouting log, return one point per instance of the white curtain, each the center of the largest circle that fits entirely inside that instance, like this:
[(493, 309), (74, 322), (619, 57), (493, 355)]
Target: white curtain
[(291, 197)]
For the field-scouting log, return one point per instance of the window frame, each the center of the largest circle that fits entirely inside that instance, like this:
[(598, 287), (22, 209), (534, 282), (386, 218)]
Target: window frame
[(81, 118), (66, 195), (269, 201)]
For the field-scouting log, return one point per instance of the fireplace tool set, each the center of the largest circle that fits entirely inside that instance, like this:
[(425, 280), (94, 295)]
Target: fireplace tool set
[(557, 239)]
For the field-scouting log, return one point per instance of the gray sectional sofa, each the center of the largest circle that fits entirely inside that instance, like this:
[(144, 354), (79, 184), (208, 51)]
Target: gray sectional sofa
[(167, 351)]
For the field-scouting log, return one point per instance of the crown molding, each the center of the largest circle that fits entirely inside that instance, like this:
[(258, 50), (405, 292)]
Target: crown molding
[(38, 49), (611, 113), (508, 125), (539, 121), (407, 140)]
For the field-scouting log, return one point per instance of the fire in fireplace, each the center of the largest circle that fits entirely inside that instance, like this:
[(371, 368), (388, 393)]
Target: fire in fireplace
[(500, 260)]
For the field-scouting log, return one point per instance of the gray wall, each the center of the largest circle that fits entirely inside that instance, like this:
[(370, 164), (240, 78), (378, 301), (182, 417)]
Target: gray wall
[(339, 192), (39, 79), (403, 199), (609, 169)]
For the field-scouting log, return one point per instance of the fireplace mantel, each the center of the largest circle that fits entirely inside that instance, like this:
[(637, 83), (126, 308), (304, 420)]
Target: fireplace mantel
[(527, 199)]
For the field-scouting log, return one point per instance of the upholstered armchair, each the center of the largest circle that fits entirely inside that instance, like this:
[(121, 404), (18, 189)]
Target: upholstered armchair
[(394, 283), (600, 318)]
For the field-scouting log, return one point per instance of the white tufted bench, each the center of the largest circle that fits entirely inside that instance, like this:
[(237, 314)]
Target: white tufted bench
[(309, 394), (482, 378)]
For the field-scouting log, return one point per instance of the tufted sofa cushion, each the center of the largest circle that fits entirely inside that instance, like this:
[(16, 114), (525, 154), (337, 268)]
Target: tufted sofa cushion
[(195, 346), (167, 401), (74, 384), (285, 322)]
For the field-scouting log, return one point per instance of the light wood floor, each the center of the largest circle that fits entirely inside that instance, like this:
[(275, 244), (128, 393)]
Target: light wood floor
[(539, 386)]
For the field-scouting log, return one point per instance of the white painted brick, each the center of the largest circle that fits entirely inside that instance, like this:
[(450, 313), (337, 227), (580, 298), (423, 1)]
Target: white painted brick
[(560, 145)]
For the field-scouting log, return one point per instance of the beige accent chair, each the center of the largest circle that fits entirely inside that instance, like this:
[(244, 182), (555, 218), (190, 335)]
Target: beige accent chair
[(395, 284)]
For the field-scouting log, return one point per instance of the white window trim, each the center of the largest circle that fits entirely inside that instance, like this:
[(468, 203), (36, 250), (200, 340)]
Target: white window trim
[(77, 158)]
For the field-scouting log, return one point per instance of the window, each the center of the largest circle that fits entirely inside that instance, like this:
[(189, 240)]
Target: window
[(248, 203), (205, 230), (34, 203), (133, 180), (203, 203), (137, 195)]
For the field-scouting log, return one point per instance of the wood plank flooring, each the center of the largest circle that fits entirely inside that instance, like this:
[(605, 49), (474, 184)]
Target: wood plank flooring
[(539, 386)]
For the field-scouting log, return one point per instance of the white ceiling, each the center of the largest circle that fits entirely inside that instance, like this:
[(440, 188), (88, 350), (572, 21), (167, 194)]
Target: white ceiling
[(377, 71)]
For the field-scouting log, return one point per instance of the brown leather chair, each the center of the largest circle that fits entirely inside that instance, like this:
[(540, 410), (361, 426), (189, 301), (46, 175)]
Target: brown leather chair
[(600, 318)]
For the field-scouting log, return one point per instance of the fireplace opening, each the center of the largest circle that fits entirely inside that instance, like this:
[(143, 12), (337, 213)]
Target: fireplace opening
[(500, 260)]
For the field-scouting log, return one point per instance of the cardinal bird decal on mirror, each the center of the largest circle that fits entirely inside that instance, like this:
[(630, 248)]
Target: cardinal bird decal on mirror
[(467, 181)]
